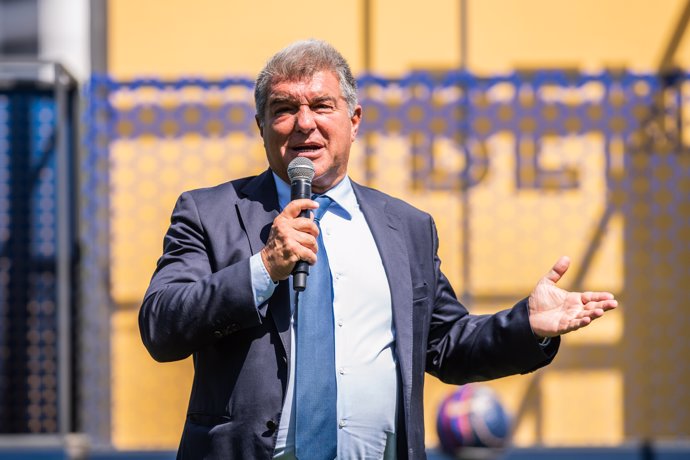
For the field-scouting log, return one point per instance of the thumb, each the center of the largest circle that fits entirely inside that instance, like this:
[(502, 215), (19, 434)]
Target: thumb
[(295, 207), (558, 269)]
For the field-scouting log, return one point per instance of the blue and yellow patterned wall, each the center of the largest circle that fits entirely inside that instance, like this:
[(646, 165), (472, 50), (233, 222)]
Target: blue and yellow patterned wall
[(519, 163)]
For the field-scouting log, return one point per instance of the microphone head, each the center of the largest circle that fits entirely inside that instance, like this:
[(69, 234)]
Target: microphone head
[(301, 168)]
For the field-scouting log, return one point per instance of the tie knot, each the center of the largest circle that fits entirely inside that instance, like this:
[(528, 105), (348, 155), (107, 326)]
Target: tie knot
[(324, 202)]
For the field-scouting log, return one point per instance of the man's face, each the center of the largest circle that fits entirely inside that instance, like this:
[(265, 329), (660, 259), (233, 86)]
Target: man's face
[(309, 118)]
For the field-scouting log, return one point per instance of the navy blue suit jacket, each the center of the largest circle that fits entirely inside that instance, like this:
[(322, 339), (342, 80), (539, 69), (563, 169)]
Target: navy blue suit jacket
[(200, 303)]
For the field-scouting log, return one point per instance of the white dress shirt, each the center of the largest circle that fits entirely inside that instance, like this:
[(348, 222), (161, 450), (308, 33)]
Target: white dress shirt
[(365, 364)]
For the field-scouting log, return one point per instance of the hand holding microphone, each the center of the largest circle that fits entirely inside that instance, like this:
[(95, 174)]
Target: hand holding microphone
[(301, 172), (291, 245)]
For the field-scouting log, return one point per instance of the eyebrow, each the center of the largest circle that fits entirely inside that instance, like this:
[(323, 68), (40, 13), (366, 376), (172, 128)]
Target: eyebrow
[(280, 100), (285, 99)]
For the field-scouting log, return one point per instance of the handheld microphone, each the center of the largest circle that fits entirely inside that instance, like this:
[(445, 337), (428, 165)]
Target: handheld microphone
[(300, 172)]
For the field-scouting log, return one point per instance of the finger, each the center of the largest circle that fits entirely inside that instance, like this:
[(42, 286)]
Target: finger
[(558, 269), (288, 237), (573, 325), (595, 310), (307, 241), (305, 225), (605, 305), (307, 255), (296, 249), (295, 207), (592, 313), (596, 296), (598, 300), (579, 323)]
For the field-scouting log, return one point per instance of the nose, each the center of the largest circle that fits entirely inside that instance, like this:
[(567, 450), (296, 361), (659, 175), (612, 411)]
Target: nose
[(305, 119)]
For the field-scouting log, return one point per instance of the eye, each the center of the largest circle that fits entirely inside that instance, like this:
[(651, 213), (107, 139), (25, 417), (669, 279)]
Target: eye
[(323, 107), (281, 110)]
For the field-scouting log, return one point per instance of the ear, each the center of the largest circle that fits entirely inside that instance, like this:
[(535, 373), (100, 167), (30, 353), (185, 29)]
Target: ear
[(260, 125), (356, 118)]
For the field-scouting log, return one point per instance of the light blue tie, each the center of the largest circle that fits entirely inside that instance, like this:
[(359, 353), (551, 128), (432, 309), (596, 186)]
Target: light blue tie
[(316, 429)]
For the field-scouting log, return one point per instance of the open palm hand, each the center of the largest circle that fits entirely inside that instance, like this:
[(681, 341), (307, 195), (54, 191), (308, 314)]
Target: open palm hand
[(555, 311)]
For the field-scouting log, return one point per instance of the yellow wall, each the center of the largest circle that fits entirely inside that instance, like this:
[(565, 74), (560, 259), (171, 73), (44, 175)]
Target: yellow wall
[(586, 34), (212, 38), (216, 38)]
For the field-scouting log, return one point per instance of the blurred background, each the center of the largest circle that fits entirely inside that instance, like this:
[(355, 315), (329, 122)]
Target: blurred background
[(528, 129)]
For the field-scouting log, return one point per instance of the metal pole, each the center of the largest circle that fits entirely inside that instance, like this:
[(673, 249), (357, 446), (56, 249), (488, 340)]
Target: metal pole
[(63, 253), (466, 294), (366, 35), (463, 35)]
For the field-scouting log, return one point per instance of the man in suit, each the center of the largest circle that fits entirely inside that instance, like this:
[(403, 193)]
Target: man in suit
[(222, 293)]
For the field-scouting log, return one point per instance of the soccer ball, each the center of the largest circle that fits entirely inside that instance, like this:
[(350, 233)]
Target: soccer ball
[(472, 416)]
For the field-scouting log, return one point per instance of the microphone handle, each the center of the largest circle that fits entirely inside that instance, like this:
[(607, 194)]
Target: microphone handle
[(300, 188)]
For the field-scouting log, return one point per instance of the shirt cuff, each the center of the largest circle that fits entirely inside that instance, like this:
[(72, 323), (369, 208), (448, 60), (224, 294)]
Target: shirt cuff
[(262, 284), (544, 342)]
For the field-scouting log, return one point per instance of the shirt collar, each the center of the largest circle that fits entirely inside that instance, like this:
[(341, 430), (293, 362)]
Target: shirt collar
[(343, 196)]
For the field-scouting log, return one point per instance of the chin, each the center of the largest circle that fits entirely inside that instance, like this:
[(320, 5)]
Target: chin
[(319, 185), (323, 184)]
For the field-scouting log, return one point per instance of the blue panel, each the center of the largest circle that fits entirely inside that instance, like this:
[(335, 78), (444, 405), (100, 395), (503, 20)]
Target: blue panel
[(32, 454), (671, 451), (131, 455), (28, 290), (612, 453)]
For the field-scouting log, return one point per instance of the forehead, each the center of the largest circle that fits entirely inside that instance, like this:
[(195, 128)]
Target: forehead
[(320, 84)]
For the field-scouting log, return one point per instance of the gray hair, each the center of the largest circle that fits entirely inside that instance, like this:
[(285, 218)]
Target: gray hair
[(301, 60)]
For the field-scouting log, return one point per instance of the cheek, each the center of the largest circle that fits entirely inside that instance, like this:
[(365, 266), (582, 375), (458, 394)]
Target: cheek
[(275, 141), (279, 130)]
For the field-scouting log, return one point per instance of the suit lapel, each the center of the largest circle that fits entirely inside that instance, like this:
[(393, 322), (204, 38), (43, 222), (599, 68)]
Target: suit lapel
[(257, 207), (388, 234)]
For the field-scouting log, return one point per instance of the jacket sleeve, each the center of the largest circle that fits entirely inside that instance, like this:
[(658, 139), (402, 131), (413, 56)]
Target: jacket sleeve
[(187, 306), (464, 348)]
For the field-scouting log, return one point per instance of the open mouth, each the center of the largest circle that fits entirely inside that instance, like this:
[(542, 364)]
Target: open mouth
[(308, 148)]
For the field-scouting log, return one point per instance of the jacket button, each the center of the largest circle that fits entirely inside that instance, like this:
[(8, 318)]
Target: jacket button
[(271, 425)]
